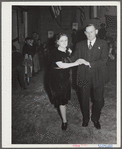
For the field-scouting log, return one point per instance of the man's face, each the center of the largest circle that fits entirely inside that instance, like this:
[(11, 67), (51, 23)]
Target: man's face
[(91, 32)]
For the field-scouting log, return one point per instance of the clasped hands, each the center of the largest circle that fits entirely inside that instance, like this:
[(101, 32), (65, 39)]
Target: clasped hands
[(82, 61)]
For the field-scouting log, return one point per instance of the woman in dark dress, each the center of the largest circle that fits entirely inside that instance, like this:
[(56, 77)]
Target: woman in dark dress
[(60, 84)]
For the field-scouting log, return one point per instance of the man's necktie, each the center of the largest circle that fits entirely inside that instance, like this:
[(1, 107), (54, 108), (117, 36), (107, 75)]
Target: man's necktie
[(90, 46)]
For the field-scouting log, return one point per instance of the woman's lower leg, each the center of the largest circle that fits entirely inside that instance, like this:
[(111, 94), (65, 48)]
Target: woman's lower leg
[(63, 112)]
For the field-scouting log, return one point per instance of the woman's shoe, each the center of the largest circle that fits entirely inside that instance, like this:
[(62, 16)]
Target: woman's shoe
[(64, 126)]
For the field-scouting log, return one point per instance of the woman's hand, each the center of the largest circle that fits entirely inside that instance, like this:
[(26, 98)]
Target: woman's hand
[(79, 61)]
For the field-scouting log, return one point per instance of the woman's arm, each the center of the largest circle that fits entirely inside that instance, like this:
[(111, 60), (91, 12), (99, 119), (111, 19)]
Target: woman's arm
[(80, 61), (66, 65)]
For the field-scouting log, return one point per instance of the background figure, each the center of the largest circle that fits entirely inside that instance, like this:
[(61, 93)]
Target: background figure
[(40, 54), (18, 72), (46, 54), (36, 63), (91, 79), (74, 39), (28, 67), (25, 47), (39, 47), (35, 37), (111, 51), (102, 31), (33, 49), (111, 47), (28, 48)]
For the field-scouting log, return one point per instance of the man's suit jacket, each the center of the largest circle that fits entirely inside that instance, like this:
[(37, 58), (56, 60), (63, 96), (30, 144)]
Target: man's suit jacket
[(98, 71)]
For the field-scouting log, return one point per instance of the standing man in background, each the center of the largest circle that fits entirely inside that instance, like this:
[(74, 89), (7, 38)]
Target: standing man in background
[(92, 76)]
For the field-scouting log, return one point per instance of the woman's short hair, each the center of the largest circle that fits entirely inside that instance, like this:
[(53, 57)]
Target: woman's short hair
[(58, 36)]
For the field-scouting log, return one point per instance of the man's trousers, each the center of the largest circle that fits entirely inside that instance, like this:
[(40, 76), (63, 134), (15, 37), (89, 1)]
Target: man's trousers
[(96, 94)]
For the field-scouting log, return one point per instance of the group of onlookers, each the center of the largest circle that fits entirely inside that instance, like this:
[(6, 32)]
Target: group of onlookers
[(28, 63)]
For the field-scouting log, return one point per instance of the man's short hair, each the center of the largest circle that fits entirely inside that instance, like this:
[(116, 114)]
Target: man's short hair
[(90, 25)]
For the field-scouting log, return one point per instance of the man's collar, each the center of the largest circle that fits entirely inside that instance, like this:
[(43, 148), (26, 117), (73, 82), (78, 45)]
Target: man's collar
[(92, 42)]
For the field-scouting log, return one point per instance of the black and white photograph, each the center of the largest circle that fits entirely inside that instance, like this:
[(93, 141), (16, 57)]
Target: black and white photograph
[(61, 74)]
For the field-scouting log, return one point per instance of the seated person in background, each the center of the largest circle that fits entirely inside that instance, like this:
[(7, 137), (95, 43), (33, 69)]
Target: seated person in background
[(17, 69)]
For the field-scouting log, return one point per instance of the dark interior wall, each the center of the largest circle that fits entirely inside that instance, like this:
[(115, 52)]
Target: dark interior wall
[(33, 15), (18, 27), (41, 20)]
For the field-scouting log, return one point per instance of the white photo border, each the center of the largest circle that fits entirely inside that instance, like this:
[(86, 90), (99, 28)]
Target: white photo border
[(6, 24)]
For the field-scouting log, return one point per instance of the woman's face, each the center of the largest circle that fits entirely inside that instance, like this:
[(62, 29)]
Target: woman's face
[(63, 42)]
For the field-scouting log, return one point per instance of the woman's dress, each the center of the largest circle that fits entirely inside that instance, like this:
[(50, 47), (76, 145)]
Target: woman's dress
[(60, 83)]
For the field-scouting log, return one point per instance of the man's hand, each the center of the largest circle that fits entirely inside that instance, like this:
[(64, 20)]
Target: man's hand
[(87, 63), (82, 61)]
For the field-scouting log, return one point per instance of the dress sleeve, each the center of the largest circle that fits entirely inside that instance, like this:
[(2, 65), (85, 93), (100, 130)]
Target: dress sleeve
[(55, 57)]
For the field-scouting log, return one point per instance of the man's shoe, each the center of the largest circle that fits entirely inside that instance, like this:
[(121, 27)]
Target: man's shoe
[(97, 124), (84, 124)]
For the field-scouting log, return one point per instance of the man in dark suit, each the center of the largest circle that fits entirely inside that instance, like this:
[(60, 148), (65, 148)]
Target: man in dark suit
[(92, 76)]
